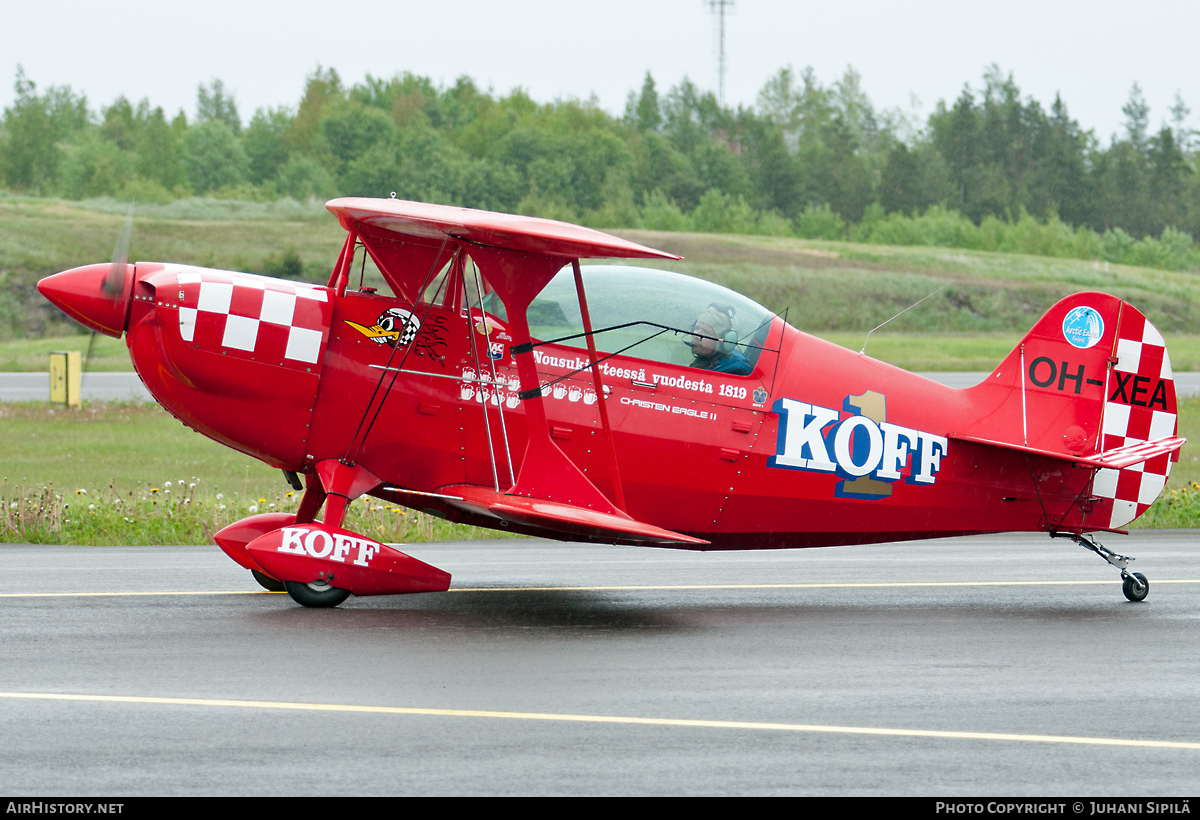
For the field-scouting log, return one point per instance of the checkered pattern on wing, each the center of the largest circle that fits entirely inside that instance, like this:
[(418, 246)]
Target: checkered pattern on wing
[(269, 320), (1140, 352)]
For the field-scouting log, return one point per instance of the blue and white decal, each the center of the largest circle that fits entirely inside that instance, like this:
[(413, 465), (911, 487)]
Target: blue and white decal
[(856, 448), (1083, 327)]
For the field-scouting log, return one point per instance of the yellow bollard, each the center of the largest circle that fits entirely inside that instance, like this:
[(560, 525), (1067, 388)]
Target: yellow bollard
[(65, 378)]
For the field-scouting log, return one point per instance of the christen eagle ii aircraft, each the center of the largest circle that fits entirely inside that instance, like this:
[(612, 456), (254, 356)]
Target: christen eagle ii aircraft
[(501, 384)]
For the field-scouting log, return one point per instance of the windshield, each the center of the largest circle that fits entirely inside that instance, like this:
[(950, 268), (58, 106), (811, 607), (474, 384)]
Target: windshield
[(621, 295)]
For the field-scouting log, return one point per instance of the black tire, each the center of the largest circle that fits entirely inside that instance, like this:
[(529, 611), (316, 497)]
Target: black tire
[(1136, 590), (318, 594), (267, 582)]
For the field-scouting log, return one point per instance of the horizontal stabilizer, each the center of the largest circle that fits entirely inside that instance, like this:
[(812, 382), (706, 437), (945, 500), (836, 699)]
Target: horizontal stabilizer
[(1121, 457), (559, 517), (1115, 459)]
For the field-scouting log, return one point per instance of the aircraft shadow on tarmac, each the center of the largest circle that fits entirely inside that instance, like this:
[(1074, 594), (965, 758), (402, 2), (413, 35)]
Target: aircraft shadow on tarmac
[(539, 609), (622, 611)]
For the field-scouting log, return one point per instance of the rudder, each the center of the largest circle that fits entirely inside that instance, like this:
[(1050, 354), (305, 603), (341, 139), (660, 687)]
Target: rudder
[(1092, 375), (1140, 406)]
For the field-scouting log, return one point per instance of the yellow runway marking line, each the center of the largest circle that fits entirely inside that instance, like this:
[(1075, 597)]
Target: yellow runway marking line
[(817, 586), (132, 594), (633, 588), (637, 721)]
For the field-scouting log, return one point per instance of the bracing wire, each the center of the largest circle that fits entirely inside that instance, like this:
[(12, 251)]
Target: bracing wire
[(352, 454)]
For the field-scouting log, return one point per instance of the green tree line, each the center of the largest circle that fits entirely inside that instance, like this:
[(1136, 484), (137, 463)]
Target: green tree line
[(991, 170)]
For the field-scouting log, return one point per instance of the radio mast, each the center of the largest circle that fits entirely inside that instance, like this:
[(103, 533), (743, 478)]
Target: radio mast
[(718, 8)]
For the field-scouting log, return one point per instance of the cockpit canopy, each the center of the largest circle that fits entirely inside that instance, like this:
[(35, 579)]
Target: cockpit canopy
[(640, 312)]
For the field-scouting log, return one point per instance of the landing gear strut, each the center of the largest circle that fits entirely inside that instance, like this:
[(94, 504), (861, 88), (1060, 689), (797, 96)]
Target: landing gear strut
[(1134, 584)]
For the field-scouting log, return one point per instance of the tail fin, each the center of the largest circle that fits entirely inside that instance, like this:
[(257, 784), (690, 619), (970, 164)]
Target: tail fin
[(1092, 376)]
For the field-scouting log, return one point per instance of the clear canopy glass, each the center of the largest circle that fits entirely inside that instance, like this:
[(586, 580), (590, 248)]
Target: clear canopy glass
[(656, 308)]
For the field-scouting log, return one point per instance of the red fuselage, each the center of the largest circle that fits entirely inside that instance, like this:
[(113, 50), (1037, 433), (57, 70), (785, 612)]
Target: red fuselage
[(698, 452)]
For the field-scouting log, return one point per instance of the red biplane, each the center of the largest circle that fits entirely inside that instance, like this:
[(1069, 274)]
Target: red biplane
[(501, 383)]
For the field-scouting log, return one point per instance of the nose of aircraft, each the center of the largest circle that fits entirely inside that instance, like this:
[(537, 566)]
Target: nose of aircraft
[(81, 294)]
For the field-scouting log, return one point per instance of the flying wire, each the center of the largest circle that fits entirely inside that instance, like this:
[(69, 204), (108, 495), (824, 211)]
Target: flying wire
[(607, 357), (664, 329), (1038, 491), (353, 451)]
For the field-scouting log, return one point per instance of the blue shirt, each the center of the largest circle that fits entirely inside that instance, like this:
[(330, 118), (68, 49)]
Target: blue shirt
[(734, 363)]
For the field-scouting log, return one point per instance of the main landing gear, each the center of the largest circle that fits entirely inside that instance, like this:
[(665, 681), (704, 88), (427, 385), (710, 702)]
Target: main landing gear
[(318, 594), (1134, 584)]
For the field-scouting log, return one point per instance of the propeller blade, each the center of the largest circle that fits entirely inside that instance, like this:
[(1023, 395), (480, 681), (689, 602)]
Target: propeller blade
[(114, 283)]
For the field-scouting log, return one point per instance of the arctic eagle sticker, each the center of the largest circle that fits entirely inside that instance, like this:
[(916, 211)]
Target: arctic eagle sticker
[(395, 327), (1083, 327)]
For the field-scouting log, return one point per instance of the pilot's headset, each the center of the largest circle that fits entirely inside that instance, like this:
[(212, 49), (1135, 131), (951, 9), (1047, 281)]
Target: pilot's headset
[(728, 341)]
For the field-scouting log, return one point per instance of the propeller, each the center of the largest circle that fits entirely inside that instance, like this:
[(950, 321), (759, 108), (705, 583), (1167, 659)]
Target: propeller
[(113, 284)]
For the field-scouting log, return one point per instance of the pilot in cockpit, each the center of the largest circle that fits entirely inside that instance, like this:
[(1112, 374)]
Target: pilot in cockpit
[(714, 342)]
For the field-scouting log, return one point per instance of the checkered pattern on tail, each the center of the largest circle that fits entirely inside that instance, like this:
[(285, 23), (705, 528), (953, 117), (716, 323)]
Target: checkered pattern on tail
[(270, 320), (1140, 407)]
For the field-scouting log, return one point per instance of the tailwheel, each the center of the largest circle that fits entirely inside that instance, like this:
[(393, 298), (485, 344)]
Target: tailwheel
[(267, 582), (1135, 587), (319, 594), (1134, 584)]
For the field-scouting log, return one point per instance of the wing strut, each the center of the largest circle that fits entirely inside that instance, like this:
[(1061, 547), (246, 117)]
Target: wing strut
[(484, 398), (546, 471), (341, 271), (602, 404), (512, 475), (550, 491)]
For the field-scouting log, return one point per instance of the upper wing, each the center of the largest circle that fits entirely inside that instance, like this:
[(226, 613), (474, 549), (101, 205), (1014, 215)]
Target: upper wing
[(527, 234)]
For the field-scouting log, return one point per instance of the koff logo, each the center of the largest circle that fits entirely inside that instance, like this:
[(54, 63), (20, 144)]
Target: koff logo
[(331, 546), (866, 450)]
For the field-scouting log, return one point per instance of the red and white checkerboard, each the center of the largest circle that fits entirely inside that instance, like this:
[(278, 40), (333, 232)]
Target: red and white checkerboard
[(1141, 353), (268, 320)]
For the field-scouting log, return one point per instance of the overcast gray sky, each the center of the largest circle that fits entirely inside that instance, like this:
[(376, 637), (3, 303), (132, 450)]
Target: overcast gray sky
[(1090, 52)]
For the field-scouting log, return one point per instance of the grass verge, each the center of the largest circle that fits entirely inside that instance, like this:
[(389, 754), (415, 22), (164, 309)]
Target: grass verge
[(129, 473), (1174, 510), (109, 355), (178, 513)]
